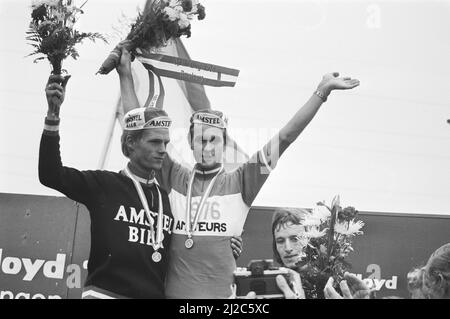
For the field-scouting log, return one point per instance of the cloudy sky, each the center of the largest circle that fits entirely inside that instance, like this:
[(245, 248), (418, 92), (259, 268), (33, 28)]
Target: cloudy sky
[(384, 146)]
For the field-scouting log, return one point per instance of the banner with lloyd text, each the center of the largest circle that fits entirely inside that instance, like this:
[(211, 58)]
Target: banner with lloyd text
[(44, 246)]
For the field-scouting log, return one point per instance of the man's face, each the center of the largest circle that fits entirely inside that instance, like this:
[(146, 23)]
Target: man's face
[(207, 145), (290, 242), (149, 151)]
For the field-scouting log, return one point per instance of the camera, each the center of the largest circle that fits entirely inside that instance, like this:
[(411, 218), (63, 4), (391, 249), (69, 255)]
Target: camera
[(259, 276)]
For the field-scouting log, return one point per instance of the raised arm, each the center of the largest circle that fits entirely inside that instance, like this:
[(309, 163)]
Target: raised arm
[(49, 155), (130, 101), (69, 181), (256, 170), (301, 119), (127, 91)]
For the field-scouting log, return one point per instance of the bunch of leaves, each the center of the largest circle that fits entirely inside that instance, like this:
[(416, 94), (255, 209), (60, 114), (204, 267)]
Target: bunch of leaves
[(52, 35)]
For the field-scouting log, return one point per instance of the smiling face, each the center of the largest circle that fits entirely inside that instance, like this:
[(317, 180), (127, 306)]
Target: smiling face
[(207, 143), (290, 243), (148, 151)]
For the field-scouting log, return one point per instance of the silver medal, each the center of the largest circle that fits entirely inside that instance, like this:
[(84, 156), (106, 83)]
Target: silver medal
[(189, 243), (156, 257)]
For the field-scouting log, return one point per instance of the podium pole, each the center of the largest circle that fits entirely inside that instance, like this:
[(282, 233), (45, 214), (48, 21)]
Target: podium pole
[(109, 136)]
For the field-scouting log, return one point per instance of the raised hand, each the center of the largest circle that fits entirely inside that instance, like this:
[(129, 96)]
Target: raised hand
[(124, 67), (55, 91), (332, 81)]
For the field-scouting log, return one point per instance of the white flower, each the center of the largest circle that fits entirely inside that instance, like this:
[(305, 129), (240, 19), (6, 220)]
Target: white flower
[(321, 212), (37, 3), (318, 215), (73, 10), (178, 9), (52, 3), (171, 13), (312, 220), (313, 232), (184, 21), (70, 22), (60, 16), (349, 229), (174, 3)]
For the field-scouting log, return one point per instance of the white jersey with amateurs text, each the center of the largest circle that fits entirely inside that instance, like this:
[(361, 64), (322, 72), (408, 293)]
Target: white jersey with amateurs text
[(206, 269)]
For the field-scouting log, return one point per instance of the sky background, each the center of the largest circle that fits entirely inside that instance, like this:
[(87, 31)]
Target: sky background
[(384, 146)]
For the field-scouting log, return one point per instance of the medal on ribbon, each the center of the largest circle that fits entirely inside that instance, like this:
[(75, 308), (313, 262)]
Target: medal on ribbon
[(156, 256), (191, 225), (189, 243)]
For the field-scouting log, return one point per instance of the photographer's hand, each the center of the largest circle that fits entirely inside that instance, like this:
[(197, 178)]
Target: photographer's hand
[(250, 295), (297, 291), (352, 288), (357, 287)]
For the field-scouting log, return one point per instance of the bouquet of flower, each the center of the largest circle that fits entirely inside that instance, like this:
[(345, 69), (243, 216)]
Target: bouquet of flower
[(52, 32), (330, 232), (161, 21)]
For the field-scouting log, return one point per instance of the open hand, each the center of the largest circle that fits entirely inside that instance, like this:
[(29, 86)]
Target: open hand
[(332, 81)]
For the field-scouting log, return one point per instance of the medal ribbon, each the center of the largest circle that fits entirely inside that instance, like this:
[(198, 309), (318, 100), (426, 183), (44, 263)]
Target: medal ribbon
[(144, 202), (190, 227)]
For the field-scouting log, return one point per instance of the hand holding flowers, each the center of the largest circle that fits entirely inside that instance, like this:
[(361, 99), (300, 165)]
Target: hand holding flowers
[(162, 21), (351, 287), (331, 231)]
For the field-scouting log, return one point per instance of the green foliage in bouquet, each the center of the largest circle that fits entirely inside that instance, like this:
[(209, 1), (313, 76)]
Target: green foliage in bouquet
[(52, 32), (331, 231)]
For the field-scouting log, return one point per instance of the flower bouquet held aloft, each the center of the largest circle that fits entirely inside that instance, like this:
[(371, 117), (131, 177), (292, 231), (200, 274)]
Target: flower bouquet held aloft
[(160, 21), (330, 232), (52, 32)]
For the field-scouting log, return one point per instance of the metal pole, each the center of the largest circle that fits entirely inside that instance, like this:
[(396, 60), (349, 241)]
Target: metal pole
[(107, 145)]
